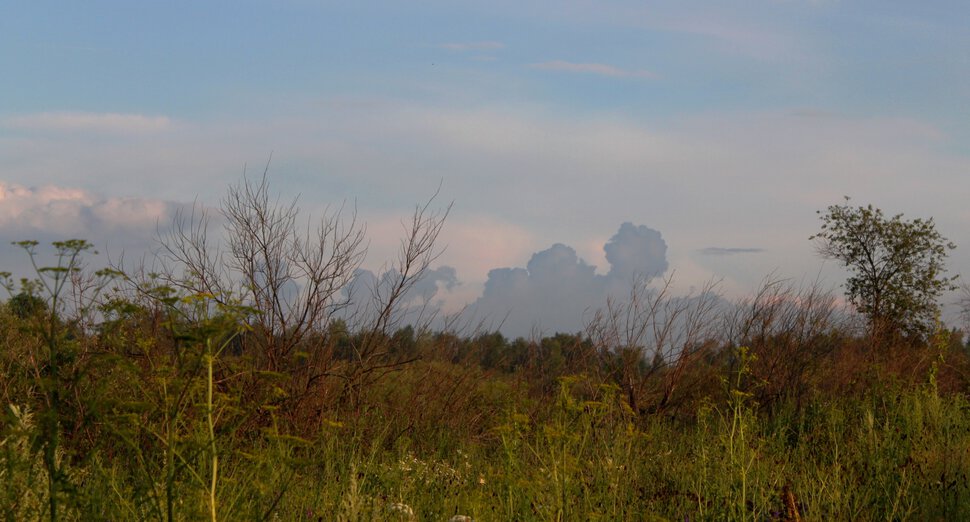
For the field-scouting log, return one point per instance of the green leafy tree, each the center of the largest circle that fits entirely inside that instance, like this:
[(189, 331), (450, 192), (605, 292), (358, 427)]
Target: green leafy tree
[(897, 266), (25, 305)]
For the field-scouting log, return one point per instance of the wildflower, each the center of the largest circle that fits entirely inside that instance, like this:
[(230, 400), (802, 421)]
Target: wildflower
[(460, 518), (400, 508)]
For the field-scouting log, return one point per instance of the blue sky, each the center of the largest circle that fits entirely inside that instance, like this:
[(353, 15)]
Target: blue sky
[(198, 59), (719, 124)]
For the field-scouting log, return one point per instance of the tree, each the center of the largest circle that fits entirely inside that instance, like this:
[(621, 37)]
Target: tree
[(898, 266), (26, 304)]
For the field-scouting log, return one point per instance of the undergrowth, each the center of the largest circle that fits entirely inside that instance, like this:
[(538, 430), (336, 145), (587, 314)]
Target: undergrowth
[(128, 399)]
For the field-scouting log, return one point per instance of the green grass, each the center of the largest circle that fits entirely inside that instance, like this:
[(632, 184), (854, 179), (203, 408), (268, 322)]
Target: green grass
[(898, 456), (160, 411), (901, 455)]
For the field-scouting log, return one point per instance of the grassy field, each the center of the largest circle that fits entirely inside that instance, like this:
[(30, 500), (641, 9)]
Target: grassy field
[(144, 431), (131, 398)]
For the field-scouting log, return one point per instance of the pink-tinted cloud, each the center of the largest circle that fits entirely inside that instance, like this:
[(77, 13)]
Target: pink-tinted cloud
[(65, 211), (601, 69)]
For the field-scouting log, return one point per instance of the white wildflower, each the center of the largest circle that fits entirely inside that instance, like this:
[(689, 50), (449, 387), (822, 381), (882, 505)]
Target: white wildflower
[(400, 508)]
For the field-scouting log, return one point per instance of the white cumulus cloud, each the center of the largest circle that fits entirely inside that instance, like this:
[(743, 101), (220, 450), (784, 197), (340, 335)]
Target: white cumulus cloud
[(65, 211)]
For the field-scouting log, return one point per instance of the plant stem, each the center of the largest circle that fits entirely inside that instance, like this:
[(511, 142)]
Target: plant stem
[(212, 433)]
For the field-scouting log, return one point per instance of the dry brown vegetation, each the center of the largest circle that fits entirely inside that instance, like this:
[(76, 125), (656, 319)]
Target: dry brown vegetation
[(237, 385)]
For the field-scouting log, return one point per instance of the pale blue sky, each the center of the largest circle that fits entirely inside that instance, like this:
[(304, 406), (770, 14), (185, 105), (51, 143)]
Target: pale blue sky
[(719, 124), (196, 59)]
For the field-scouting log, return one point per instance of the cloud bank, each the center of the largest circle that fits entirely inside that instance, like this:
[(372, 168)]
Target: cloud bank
[(65, 211), (367, 293), (556, 290), (519, 173), (53, 213)]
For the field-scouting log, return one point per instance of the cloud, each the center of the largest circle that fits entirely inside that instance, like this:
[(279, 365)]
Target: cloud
[(89, 121), (636, 251), (67, 211), (740, 38), (519, 173), (434, 280), (488, 45), (557, 290), (367, 293), (741, 29), (601, 69), (114, 225), (719, 251)]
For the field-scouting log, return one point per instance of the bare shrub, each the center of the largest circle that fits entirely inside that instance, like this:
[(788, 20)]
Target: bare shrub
[(295, 280), (289, 276), (789, 330), (650, 340), (388, 307)]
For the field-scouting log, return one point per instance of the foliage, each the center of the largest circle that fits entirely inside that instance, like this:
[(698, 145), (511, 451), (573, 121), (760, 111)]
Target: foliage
[(457, 434), (148, 398), (898, 265), (56, 307), (26, 304)]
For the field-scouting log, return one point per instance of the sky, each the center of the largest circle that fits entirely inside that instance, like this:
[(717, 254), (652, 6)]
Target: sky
[(702, 135)]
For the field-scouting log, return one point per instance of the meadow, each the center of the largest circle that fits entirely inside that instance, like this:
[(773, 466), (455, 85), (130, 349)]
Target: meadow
[(150, 416), (206, 391)]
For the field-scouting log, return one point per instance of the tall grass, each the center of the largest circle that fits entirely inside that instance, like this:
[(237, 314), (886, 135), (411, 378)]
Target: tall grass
[(158, 407), (897, 454)]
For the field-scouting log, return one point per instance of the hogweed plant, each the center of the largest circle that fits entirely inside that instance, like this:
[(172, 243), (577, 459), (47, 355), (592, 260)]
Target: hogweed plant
[(56, 303), (203, 327), (21, 497), (738, 444), (727, 446)]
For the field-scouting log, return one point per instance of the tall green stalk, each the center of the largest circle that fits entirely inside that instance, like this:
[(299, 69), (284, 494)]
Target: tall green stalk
[(51, 282), (214, 457)]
